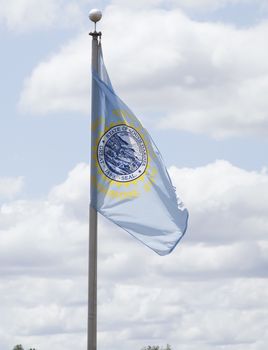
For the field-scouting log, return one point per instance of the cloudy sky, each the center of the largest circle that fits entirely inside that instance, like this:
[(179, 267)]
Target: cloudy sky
[(196, 74)]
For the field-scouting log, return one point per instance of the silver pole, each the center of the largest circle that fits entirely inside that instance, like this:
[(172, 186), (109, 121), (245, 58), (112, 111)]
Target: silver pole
[(95, 16)]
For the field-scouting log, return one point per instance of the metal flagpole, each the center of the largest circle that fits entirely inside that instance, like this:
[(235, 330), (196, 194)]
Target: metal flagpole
[(95, 16)]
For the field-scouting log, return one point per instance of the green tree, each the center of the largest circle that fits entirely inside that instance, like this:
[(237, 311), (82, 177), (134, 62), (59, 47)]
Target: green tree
[(18, 347), (156, 347)]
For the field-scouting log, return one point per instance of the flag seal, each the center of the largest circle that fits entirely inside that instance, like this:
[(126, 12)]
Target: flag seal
[(122, 154)]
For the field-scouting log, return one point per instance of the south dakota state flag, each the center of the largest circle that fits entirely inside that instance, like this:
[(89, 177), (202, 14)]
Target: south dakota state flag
[(131, 185)]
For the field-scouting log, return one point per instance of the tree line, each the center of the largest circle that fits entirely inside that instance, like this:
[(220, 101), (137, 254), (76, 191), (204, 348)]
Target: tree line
[(20, 347), (157, 347), (149, 347)]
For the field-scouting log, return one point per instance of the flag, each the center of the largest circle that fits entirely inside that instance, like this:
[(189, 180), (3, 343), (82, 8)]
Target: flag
[(132, 187)]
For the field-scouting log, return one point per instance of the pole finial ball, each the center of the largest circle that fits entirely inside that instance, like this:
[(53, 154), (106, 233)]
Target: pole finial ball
[(95, 15)]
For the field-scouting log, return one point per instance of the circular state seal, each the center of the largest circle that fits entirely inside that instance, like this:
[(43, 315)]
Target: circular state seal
[(122, 154)]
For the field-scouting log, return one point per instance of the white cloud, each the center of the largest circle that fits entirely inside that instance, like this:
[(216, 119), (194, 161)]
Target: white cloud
[(196, 5), (200, 77), (9, 187), (22, 15), (211, 5), (61, 82), (209, 293), (223, 191)]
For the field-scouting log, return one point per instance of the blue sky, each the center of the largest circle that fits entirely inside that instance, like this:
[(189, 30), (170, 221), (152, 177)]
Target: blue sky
[(22, 51), (196, 74), (60, 139)]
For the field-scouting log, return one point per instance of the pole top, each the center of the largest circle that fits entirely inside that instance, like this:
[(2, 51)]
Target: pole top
[(95, 15)]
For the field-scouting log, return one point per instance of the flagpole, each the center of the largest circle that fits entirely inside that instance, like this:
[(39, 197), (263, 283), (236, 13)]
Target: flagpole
[(94, 16)]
